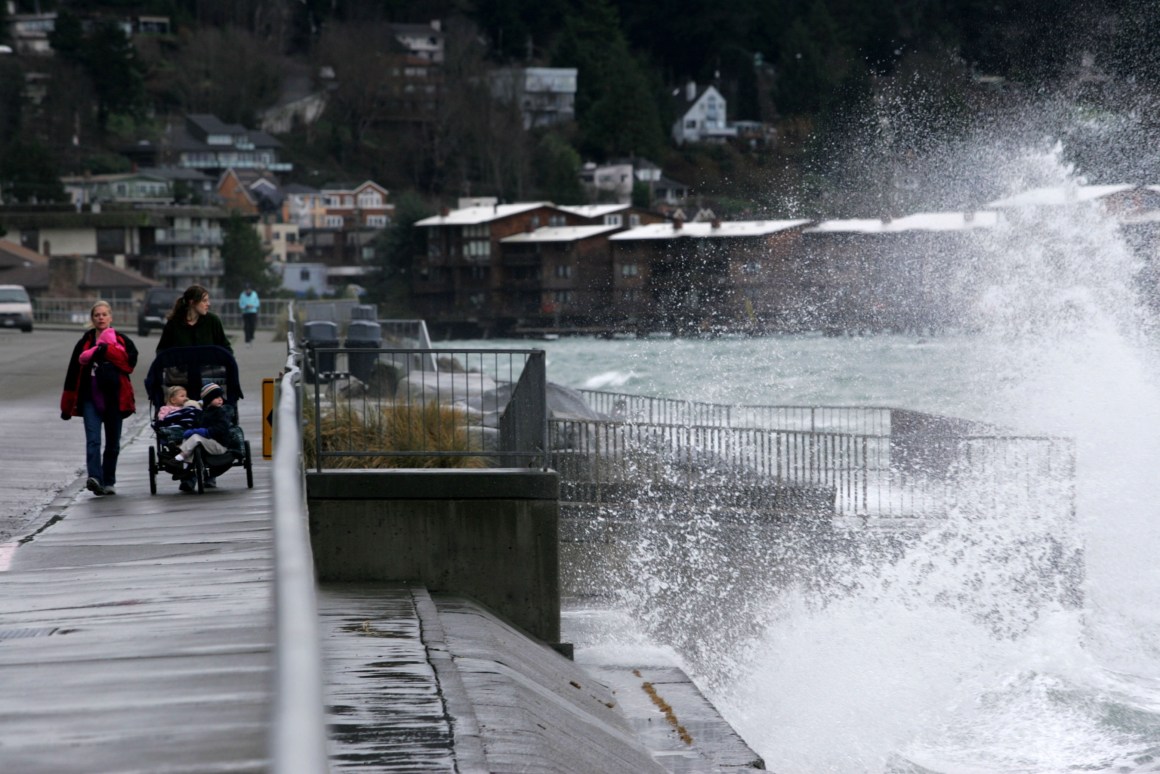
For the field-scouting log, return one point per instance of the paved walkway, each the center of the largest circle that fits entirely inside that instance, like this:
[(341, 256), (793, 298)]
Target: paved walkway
[(135, 631)]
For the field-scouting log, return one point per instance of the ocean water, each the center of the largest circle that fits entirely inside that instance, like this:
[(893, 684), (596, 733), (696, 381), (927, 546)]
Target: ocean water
[(941, 657)]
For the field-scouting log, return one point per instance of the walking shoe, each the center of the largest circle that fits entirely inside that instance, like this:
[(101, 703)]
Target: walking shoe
[(211, 482), (110, 490), (186, 486), (94, 486)]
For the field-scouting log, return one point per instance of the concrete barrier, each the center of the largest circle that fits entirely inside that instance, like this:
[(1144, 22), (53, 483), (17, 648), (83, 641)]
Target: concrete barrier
[(491, 535)]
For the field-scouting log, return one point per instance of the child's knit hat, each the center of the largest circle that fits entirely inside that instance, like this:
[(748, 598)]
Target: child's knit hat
[(211, 391)]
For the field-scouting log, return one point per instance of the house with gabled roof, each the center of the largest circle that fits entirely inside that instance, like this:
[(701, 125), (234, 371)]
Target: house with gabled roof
[(458, 282), (207, 143), (250, 192), (701, 115)]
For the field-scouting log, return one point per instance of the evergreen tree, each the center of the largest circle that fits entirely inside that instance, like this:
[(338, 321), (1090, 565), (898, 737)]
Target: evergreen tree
[(243, 259), (615, 110), (399, 244), (117, 74), (28, 173), (557, 166)]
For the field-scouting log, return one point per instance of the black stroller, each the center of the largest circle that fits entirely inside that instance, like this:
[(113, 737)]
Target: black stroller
[(191, 367)]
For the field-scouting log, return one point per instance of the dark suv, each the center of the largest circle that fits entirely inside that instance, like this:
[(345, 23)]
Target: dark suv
[(154, 308)]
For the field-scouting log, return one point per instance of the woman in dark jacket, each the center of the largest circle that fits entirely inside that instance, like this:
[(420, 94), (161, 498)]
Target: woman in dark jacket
[(97, 388), (192, 324)]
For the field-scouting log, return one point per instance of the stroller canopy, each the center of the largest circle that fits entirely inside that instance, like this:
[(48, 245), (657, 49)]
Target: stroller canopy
[(193, 367)]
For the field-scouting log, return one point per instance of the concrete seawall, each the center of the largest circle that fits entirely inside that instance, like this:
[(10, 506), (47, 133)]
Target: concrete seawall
[(489, 534)]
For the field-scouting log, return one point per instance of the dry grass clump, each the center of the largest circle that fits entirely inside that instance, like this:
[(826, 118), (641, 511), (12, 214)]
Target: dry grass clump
[(391, 428)]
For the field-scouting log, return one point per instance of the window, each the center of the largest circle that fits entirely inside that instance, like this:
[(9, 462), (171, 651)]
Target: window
[(476, 232), (751, 267), (333, 221), (629, 295), (633, 221), (564, 270), (612, 220), (556, 220), (370, 199), (562, 296), (628, 270), (377, 221), (691, 123), (110, 241), (304, 275), (477, 299)]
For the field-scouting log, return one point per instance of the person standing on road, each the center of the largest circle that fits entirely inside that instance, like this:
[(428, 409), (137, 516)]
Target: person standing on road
[(191, 324), (97, 388), (249, 303)]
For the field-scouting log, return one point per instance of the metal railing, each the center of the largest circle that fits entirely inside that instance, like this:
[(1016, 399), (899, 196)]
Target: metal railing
[(875, 462), (75, 311), (386, 407), (867, 420)]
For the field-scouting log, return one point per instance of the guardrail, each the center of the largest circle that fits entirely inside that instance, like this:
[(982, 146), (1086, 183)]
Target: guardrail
[(390, 407), (298, 738)]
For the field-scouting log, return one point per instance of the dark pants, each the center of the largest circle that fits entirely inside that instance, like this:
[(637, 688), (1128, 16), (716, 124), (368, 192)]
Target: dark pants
[(101, 467), (250, 324)]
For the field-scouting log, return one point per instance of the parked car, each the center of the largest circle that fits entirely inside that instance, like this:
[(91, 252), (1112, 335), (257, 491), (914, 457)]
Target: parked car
[(154, 307), (15, 308)]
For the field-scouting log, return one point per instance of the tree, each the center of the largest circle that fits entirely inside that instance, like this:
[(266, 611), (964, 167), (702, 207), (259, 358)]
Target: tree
[(615, 109), (28, 173), (108, 58), (389, 282), (226, 72), (11, 99), (243, 258), (119, 77), (557, 165)]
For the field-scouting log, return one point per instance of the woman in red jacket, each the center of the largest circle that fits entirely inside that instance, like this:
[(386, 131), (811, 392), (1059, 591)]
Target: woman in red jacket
[(97, 388)]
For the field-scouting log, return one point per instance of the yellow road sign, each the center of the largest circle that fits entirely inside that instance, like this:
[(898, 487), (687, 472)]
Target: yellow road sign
[(267, 418)]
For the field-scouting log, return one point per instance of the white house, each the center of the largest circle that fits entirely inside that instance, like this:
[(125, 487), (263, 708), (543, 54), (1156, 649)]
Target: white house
[(546, 95), (422, 40), (304, 278), (701, 116)]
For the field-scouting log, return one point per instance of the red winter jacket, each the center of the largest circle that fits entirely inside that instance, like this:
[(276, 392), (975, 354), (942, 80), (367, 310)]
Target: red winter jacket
[(77, 381)]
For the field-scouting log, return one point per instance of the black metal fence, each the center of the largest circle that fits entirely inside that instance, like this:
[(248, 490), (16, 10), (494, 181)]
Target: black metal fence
[(875, 462), (384, 407)]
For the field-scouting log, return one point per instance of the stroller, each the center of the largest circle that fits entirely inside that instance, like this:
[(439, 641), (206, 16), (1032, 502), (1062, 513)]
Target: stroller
[(191, 367)]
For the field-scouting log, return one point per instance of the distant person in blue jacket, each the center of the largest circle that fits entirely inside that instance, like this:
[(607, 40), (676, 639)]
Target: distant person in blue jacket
[(249, 303)]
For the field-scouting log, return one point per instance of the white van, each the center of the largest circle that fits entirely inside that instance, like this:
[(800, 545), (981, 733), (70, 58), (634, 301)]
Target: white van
[(15, 308)]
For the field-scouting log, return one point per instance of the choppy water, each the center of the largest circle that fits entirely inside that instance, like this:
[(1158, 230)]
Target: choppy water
[(897, 666)]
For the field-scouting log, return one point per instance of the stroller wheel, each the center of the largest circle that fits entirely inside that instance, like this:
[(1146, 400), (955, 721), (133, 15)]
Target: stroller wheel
[(199, 469), (152, 470), (249, 467)]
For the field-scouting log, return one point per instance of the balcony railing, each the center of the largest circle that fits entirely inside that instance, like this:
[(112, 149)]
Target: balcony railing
[(188, 236), (190, 267)]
